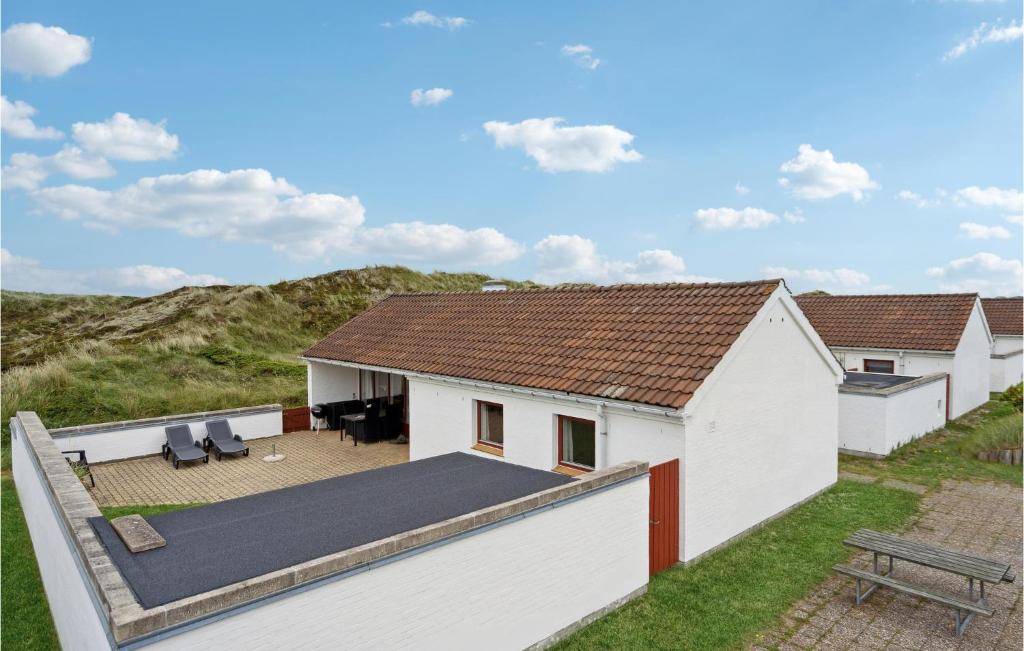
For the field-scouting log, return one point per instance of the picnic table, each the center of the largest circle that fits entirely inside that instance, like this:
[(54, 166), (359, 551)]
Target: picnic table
[(973, 568)]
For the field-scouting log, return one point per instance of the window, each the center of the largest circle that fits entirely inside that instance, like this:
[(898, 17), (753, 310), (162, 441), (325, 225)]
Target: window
[(490, 426), (576, 443), (879, 366)]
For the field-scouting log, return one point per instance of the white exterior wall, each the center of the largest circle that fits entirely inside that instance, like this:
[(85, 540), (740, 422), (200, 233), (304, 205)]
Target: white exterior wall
[(147, 439), (879, 424), (442, 419), (331, 382), (1004, 372), (75, 616), (507, 587), (764, 436), (1007, 344), (912, 363), (971, 366)]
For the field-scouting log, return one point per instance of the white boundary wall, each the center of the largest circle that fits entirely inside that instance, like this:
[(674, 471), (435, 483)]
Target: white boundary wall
[(877, 424), (508, 586), (1007, 362), (72, 600), (139, 438)]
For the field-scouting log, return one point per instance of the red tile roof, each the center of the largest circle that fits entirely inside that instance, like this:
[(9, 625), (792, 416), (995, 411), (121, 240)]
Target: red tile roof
[(909, 321), (651, 344), (1005, 315)]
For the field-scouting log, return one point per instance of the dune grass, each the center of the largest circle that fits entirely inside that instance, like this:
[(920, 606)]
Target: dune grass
[(722, 601)]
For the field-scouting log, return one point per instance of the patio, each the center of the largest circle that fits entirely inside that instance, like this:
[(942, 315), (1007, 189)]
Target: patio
[(309, 456)]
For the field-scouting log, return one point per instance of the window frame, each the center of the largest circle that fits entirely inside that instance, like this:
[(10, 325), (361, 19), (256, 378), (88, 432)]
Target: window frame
[(558, 434), (890, 362), (479, 422)]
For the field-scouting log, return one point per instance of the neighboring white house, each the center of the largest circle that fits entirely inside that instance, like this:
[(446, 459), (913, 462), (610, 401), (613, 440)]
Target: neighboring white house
[(911, 334), (878, 412), (1006, 319), (728, 378)]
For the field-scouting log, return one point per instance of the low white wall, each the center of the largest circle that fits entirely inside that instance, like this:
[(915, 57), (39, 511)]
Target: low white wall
[(878, 424), (1006, 370), (507, 587), (1007, 344), (75, 615), (141, 438)]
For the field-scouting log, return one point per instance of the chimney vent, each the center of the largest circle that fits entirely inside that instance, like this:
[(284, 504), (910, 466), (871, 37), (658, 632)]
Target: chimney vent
[(493, 286)]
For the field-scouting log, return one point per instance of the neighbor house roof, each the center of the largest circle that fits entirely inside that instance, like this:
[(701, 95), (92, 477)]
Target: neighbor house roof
[(907, 321), (1005, 315), (651, 344)]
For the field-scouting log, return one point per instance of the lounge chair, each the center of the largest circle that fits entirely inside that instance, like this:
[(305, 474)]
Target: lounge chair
[(181, 444), (220, 438)]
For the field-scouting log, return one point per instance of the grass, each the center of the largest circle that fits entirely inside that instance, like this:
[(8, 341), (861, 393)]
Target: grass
[(25, 621), (722, 601), (950, 452)]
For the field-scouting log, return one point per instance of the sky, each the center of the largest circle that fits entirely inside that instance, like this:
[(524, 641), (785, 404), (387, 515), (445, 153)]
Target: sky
[(855, 147)]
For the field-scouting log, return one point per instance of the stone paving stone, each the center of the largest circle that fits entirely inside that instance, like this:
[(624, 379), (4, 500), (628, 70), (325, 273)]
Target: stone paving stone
[(853, 476), (309, 456), (983, 519), (905, 485)]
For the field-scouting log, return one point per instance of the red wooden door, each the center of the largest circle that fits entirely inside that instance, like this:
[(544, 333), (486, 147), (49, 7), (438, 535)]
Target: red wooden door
[(295, 419), (664, 516)]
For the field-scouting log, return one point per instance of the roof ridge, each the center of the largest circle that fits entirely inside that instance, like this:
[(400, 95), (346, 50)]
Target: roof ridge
[(936, 294), (569, 287)]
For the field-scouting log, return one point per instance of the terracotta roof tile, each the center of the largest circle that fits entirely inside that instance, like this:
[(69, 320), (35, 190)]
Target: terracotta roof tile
[(909, 321), (651, 344), (1005, 315)]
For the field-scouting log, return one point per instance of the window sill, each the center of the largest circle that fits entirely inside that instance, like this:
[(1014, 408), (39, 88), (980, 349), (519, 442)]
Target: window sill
[(489, 449), (569, 471)]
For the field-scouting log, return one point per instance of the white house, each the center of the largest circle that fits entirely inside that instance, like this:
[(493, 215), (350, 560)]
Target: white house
[(913, 335), (1006, 319), (728, 378)]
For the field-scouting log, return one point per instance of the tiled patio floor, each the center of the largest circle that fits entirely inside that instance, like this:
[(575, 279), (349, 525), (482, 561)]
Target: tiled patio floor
[(309, 456), (981, 519)]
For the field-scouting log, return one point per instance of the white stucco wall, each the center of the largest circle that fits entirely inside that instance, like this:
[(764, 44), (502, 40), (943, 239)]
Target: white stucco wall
[(143, 440), (764, 435), (969, 387), (1007, 344), (1006, 370), (507, 587), (75, 617), (331, 382), (877, 425)]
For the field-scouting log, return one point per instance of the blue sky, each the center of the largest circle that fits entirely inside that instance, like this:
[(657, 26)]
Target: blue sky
[(855, 147)]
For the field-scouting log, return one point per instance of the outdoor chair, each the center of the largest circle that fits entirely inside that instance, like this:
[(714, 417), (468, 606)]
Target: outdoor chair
[(368, 430), (80, 465), (181, 444), (222, 440)]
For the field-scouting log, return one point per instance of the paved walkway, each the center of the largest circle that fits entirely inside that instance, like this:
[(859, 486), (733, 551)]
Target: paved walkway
[(309, 456), (981, 519)]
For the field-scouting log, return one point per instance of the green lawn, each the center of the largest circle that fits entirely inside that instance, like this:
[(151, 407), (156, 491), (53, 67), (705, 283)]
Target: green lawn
[(724, 600), (25, 621)]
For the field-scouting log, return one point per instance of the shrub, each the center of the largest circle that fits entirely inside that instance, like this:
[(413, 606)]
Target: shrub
[(1015, 396)]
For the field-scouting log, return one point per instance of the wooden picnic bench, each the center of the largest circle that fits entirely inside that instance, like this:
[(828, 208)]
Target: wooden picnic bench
[(973, 568)]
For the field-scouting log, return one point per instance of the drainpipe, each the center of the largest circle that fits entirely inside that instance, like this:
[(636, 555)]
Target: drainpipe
[(602, 437), (903, 364)]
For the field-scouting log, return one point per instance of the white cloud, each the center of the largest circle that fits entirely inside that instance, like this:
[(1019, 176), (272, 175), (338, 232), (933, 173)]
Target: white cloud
[(915, 199), (991, 197), (432, 97), (721, 219), (985, 33), (27, 274), (986, 273), (423, 18), (794, 216), (817, 175), (1016, 219), (981, 232), (16, 121), (582, 54), (122, 137), (572, 258), (841, 278), (741, 189), (590, 148), (252, 205), (27, 171), (32, 49)]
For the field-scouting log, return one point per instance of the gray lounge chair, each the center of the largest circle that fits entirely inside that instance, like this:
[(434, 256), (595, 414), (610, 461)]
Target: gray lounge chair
[(181, 444), (221, 439)]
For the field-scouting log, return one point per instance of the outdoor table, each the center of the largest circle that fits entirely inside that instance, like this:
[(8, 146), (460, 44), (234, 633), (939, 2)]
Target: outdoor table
[(354, 418)]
